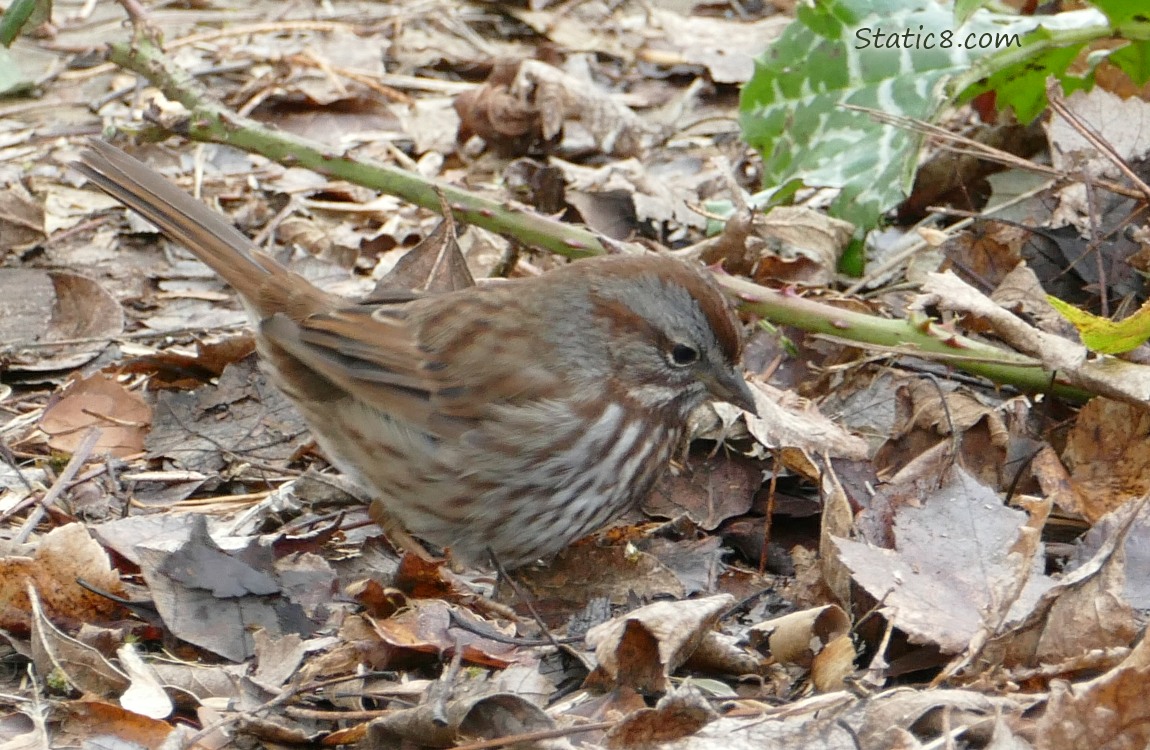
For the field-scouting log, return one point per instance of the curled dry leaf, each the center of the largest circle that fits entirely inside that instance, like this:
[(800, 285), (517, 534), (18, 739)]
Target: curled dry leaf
[(1135, 552), (425, 628), (436, 264), (931, 713), (790, 244), (483, 717), (44, 307), (1021, 292), (816, 639), (679, 714), (933, 421), (21, 217), (797, 637), (145, 696), (643, 648), (1086, 609), (787, 420), (724, 655), (834, 664), (497, 115), (617, 130), (54, 653), (526, 103)]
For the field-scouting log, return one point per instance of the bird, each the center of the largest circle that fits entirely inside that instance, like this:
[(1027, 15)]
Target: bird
[(506, 419)]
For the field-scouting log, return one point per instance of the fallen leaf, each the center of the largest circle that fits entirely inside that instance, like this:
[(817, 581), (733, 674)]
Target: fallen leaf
[(41, 308), (100, 402)]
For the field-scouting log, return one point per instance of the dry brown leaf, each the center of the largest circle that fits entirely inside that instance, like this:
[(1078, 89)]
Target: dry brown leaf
[(82, 666), (798, 637), (145, 695), (1021, 292), (792, 245), (1108, 455), (1135, 553), (641, 649), (443, 725), (1111, 711), (1122, 121), (585, 572), (957, 568), (216, 598), (96, 721), (525, 104), (947, 423), (678, 715), (786, 419), (1082, 611), (99, 402), (64, 555), (712, 488), (726, 47), (39, 307), (425, 629), (241, 411), (21, 217), (986, 253)]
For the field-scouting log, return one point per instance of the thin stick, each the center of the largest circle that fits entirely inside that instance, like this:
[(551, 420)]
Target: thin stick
[(83, 450)]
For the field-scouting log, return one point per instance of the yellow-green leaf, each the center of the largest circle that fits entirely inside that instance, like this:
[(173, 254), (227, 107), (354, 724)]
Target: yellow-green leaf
[(1105, 335)]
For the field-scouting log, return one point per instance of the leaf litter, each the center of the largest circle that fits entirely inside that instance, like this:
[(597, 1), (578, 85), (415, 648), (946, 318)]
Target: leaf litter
[(200, 566)]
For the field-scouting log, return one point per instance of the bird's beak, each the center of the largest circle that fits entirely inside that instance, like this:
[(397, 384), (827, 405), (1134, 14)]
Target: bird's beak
[(728, 385)]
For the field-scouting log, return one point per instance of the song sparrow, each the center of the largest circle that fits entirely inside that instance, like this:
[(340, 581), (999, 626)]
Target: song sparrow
[(513, 417)]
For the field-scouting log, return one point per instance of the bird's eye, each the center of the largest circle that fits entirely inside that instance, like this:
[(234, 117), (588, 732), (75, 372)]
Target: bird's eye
[(683, 355)]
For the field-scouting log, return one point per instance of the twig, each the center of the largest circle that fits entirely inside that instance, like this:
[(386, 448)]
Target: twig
[(492, 635), (545, 734), (210, 121), (772, 486), (529, 602), (920, 337), (1058, 104), (83, 450), (440, 691)]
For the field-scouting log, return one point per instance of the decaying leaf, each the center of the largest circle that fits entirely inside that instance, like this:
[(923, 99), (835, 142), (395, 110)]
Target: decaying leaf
[(642, 649), (958, 567), (38, 309), (121, 416), (64, 556)]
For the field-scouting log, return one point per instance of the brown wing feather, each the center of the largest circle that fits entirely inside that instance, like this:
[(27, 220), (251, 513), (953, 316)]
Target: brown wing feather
[(367, 360)]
